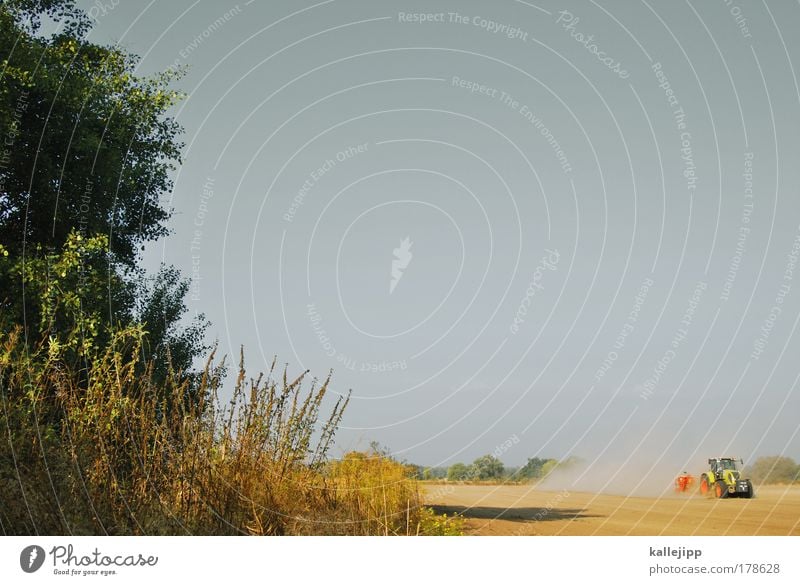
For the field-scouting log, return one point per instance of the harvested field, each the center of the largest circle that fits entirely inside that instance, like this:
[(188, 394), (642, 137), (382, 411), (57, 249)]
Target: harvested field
[(526, 511)]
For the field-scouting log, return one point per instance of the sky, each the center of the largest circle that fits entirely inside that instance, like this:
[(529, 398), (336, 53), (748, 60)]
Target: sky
[(522, 228)]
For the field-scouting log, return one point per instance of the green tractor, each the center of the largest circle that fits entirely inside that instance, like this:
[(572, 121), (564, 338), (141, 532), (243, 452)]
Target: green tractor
[(724, 480)]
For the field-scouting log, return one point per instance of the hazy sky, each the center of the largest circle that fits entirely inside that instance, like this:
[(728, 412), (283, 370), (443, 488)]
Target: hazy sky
[(541, 228)]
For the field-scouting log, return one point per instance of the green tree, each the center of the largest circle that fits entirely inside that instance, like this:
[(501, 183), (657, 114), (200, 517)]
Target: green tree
[(92, 147), (570, 463), (548, 467), (86, 152), (457, 472), (487, 467), (29, 14), (429, 473), (774, 469), (160, 304), (533, 468)]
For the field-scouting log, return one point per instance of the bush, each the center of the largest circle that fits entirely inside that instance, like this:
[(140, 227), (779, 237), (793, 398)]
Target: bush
[(433, 524), (380, 496), (535, 468), (105, 450), (458, 472), (487, 467), (774, 469)]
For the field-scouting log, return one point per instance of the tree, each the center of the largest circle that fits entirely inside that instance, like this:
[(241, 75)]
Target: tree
[(548, 468), (457, 472), (774, 469), (430, 473), (160, 304), (570, 463), (488, 467), (92, 147), (86, 153), (533, 468), (29, 13)]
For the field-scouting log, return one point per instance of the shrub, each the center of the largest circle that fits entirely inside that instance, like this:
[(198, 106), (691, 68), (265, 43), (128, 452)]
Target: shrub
[(774, 469), (458, 472), (104, 449)]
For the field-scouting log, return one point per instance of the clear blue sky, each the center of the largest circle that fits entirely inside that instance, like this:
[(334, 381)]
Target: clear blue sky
[(569, 228)]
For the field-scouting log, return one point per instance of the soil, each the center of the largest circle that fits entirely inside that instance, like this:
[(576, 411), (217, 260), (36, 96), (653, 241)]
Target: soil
[(525, 511)]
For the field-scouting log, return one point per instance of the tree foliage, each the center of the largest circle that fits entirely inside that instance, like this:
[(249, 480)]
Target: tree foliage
[(86, 154), (92, 146), (534, 468), (457, 472), (29, 14), (487, 467), (774, 469)]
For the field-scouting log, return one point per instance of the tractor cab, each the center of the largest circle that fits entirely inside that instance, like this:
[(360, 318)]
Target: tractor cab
[(723, 479), (722, 464)]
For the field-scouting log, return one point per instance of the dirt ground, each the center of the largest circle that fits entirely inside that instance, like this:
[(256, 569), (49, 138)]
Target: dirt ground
[(525, 511)]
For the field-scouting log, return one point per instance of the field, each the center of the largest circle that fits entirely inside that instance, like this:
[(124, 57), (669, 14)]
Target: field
[(526, 511)]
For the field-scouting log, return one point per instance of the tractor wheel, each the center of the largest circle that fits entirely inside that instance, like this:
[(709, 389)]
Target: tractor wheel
[(704, 487), (749, 493), (720, 489)]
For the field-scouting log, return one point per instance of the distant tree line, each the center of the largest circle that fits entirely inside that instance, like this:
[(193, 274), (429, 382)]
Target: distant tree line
[(491, 468), (773, 469)]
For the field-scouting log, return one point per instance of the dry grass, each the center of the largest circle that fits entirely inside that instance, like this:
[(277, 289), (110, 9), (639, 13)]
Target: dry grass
[(104, 450)]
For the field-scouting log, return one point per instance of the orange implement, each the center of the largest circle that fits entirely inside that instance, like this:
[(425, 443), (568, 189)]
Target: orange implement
[(683, 483)]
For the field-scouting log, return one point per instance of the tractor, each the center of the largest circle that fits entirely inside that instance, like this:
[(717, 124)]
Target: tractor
[(723, 479)]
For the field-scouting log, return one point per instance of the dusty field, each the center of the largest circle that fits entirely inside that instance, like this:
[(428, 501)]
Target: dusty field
[(523, 510)]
